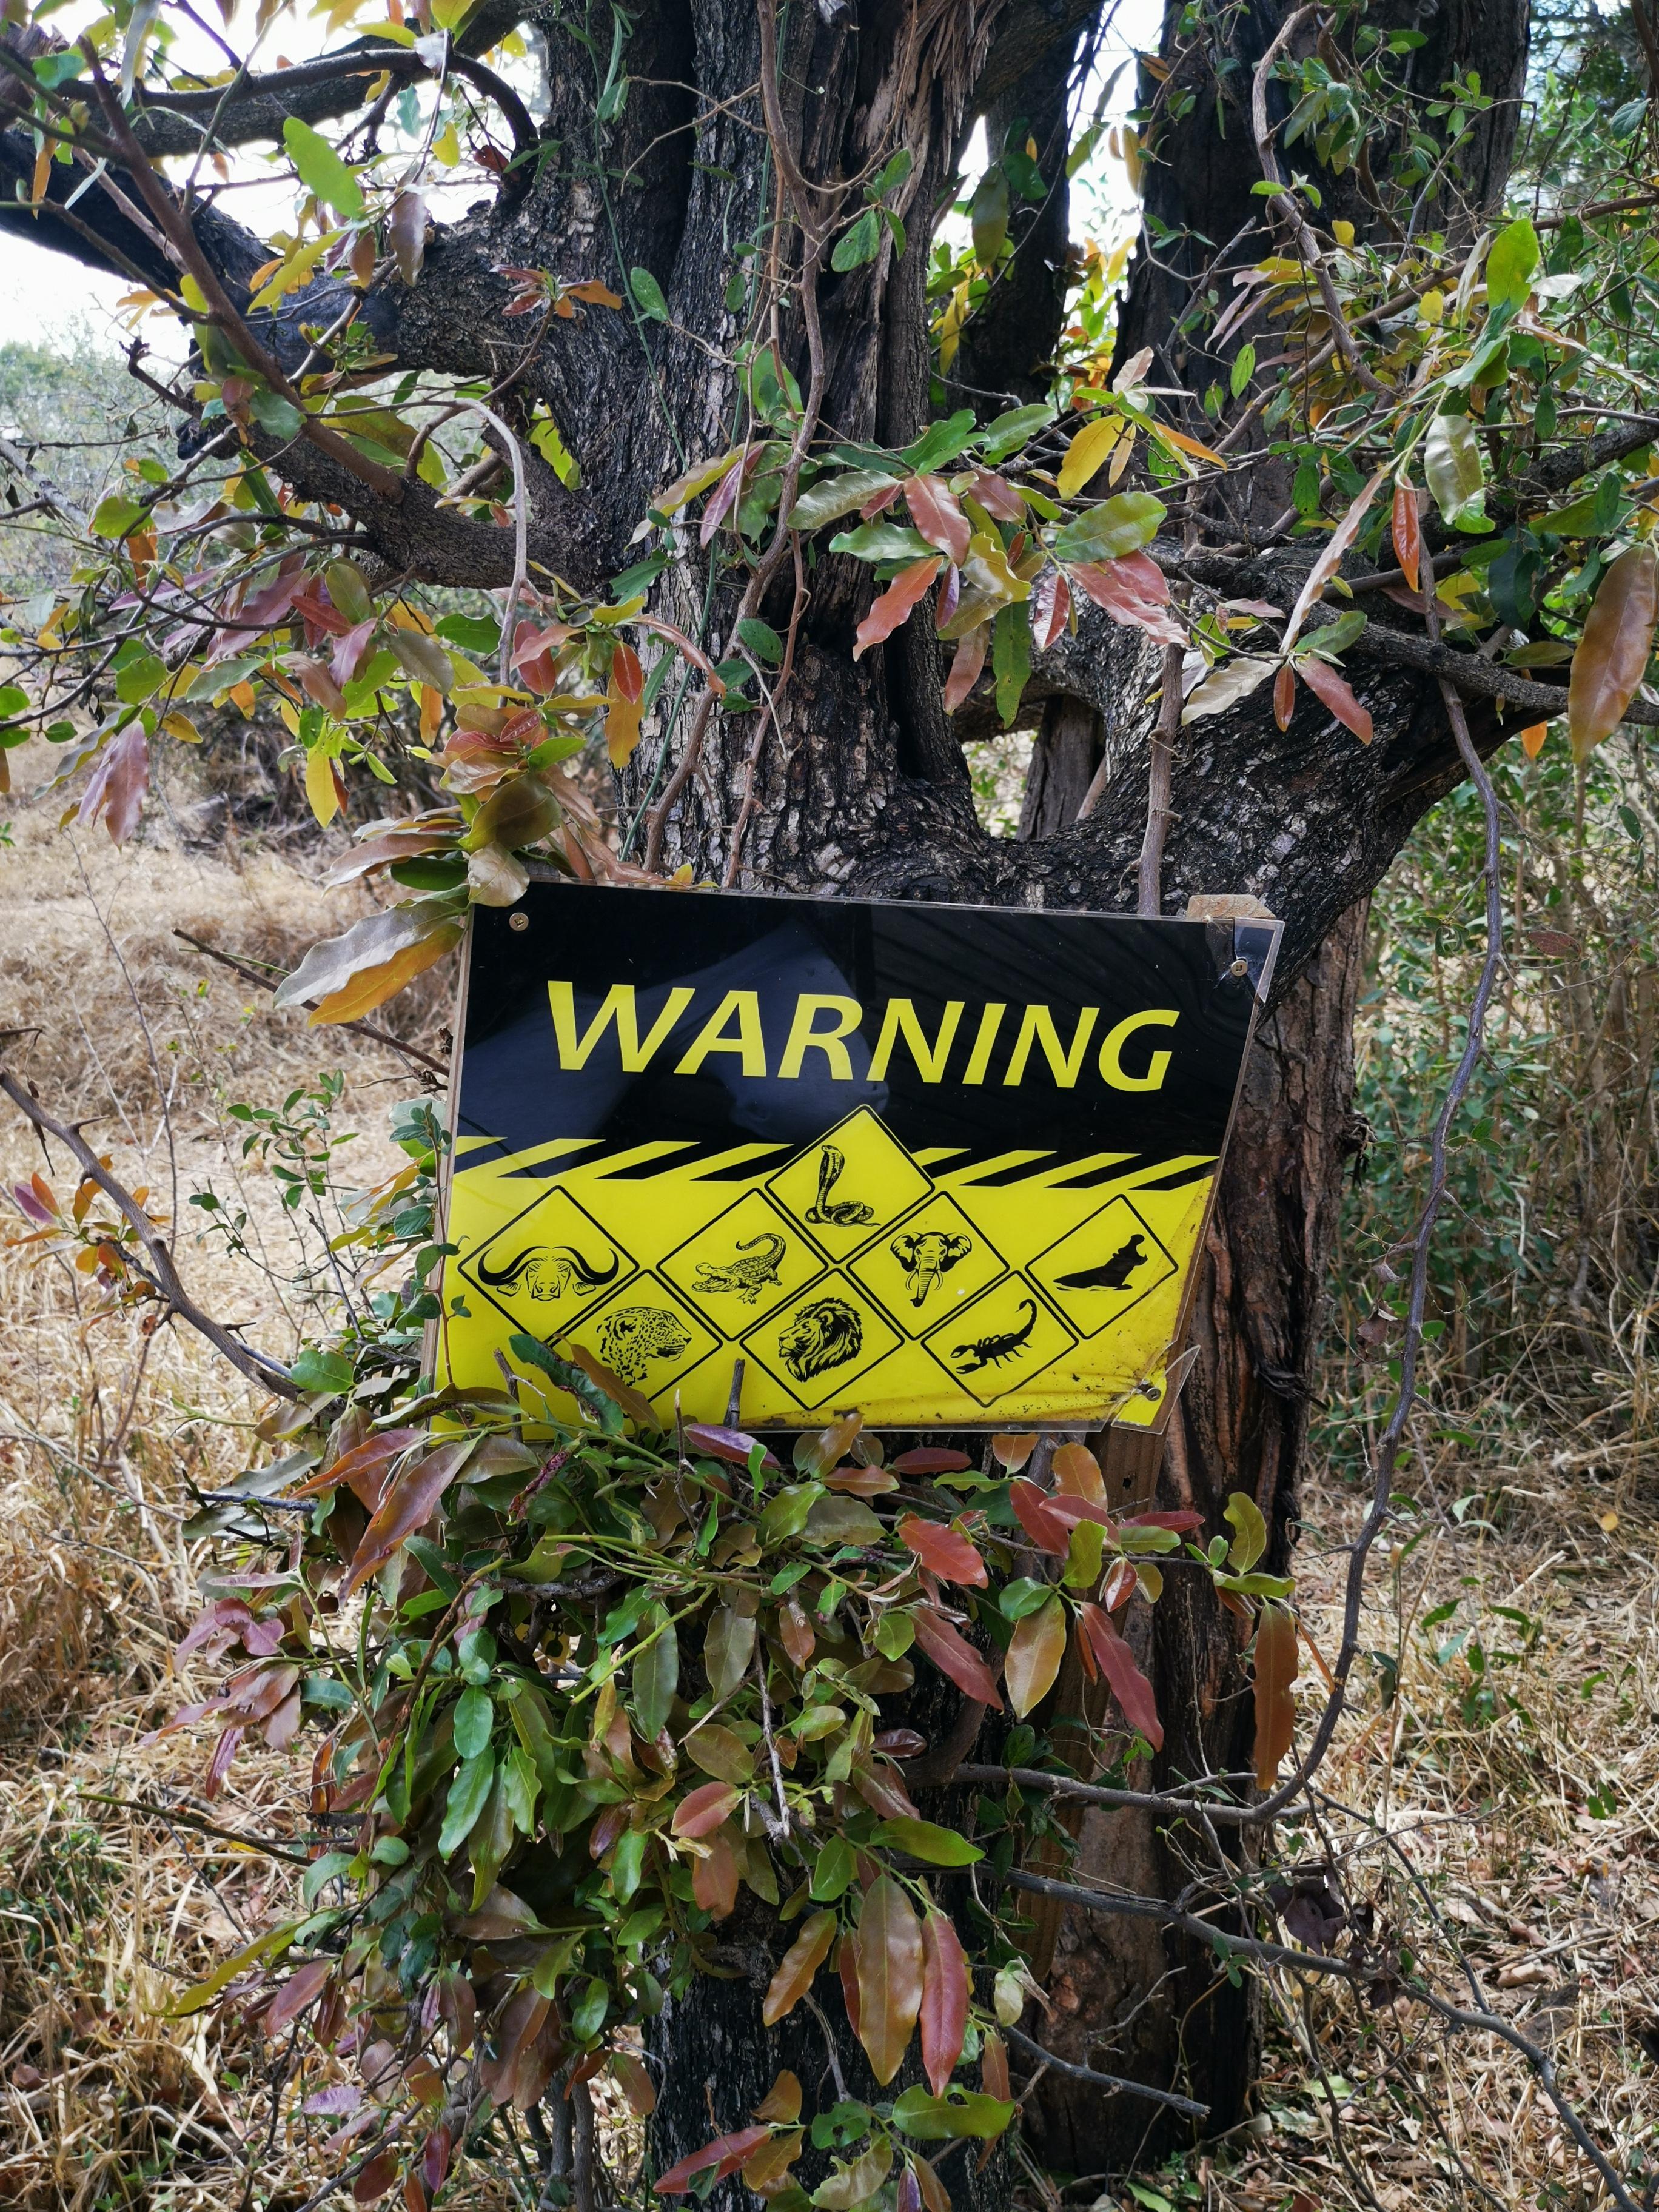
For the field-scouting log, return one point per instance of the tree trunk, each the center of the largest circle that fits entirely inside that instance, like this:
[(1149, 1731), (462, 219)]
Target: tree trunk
[(1129, 1999)]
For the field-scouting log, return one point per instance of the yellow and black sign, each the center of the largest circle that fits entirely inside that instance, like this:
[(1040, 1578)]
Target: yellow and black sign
[(948, 1164)]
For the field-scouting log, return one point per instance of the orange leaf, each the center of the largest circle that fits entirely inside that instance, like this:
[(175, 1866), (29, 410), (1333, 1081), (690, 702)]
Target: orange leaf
[(1408, 534), (965, 665), (1076, 1473), (943, 2001), (714, 1879), (1034, 1512), (934, 511), (371, 987), (1275, 1665), (1012, 1452), (993, 2067), (847, 1966), (1034, 1652), (889, 1971), (946, 1552), (1186, 444), (894, 607), (954, 1656), (1612, 653), (1532, 738), (627, 673), (782, 2103), (1322, 680), (798, 1970), (1129, 1685)]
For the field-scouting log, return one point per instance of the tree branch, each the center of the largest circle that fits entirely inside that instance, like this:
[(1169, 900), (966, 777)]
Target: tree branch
[(270, 1374)]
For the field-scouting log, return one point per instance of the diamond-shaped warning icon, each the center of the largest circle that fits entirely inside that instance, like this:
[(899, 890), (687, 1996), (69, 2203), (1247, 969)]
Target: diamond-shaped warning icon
[(933, 1262), (548, 1265), (823, 1340), (1001, 1341), (849, 1184), (742, 1265), (646, 1334), (1104, 1266)]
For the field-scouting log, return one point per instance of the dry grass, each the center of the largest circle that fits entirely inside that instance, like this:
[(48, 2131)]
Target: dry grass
[(1508, 1813)]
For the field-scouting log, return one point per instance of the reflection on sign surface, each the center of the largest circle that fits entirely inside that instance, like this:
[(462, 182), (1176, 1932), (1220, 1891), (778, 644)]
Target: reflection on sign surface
[(948, 1164)]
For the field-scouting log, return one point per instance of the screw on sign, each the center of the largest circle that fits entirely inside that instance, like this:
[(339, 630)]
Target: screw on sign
[(950, 1165)]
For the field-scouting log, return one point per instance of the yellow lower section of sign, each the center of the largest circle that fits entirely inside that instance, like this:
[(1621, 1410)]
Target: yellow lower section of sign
[(850, 1273)]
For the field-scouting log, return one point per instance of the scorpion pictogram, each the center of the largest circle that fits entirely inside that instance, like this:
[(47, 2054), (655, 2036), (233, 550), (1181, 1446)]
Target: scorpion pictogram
[(990, 1351)]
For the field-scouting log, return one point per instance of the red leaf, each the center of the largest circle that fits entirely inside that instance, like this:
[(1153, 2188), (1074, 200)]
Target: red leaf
[(349, 650), (627, 674), (966, 664), (993, 2067), (725, 2155), (943, 2001), (118, 786), (1034, 1511), (934, 511), (299, 1990), (1181, 1520), (1051, 607), (1408, 533), (1285, 696), (1129, 1685), (410, 1503), (997, 496), (1275, 1664), (703, 1811), (434, 2158), (1122, 589), (730, 1444), (895, 603), (714, 1878), (1322, 680), (931, 1459), (1076, 1473), (947, 1551), (375, 2179), (954, 1657), (723, 497)]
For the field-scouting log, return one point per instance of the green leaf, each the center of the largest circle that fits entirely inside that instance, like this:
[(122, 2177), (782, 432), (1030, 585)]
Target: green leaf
[(1244, 1515), (656, 1672), (859, 242), (1121, 525), (786, 1514), (13, 700), (474, 1717), (989, 216), (1456, 472), (468, 1793), (116, 514), (648, 293), (321, 169), (270, 1945), (939, 2119), (1511, 264), (277, 417), (140, 679), (477, 634), (1243, 369), (1008, 432), (762, 639), (925, 1839), (882, 541), (587, 2013), (322, 1871), (939, 442), (831, 497), (835, 1868), (321, 1371), (1011, 658)]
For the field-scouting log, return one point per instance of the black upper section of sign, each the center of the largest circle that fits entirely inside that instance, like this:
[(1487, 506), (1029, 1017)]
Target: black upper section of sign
[(513, 1089)]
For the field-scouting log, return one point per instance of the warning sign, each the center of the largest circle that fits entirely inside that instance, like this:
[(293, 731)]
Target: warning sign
[(950, 1165)]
